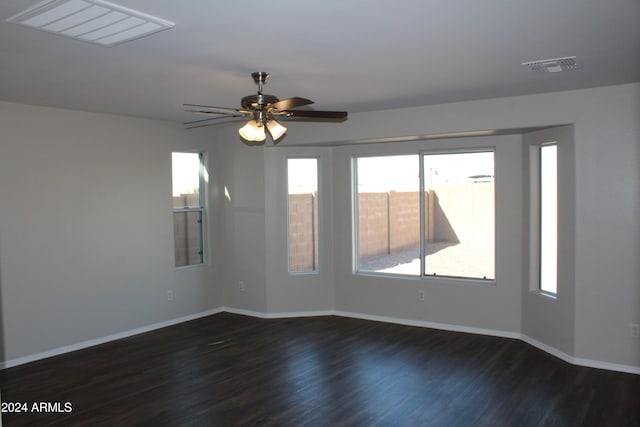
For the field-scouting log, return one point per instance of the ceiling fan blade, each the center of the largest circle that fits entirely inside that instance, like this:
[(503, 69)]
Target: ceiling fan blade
[(207, 109), (221, 113), (286, 104), (209, 122), (313, 114), (208, 106)]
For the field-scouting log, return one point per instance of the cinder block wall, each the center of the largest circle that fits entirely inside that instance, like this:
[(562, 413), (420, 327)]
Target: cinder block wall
[(390, 221), (303, 232)]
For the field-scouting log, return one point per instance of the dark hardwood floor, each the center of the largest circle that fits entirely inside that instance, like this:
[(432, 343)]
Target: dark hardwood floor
[(231, 370)]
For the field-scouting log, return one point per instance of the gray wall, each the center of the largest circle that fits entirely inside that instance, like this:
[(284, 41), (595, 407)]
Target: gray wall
[(550, 320), (239, 185), (57, 294), (494, 306), (86, 228), (294, 293), (604, 240)]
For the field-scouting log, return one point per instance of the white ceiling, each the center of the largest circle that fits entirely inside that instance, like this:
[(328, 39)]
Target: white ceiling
[(353, 55)]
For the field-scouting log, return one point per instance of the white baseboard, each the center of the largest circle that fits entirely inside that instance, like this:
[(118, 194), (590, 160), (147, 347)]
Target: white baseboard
[(90, 343), (395, 320), (318, 313), (589, 363), (409, 322), (431, 325), (278, 315), (448, 327), (548, 349), (498, 333)]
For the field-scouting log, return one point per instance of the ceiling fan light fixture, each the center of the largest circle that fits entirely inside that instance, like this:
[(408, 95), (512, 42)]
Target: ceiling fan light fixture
[(261, 109), (276, 130), (252, 131)]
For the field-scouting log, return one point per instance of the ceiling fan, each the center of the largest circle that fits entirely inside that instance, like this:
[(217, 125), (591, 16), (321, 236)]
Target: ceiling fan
[(261, 110)]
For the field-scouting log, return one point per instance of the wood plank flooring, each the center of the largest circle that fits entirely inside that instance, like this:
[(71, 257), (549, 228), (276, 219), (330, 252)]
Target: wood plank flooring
[(232, 370)]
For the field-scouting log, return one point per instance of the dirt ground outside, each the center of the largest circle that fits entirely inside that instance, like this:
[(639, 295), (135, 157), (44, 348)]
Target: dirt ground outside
[(443, 259)]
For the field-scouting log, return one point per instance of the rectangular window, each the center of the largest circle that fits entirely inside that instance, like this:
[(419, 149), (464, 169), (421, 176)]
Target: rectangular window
[(459, 214), (549, 218), (431, 214), (388, 214), (188, 208), (302, 207)]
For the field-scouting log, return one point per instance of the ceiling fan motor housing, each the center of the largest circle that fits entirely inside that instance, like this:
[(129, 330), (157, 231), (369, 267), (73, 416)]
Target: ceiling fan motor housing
[(258, 102), (261, 109)]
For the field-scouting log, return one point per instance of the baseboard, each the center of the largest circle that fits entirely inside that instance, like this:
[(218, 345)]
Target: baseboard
[(431, 325), (363, 316), (90, 343), (448, 327), (278, 315), (578, 361), (244, 312), (589, 363), (548, 349)]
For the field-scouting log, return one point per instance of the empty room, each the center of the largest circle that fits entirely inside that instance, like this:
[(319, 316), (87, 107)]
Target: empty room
[(341, 213)]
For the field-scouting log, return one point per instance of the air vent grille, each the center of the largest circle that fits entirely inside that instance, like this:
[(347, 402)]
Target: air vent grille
[(554, 65), (95, 21)]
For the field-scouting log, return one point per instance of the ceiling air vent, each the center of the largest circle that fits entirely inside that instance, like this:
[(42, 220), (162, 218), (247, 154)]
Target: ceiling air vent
[(554, 65), (94, 21)]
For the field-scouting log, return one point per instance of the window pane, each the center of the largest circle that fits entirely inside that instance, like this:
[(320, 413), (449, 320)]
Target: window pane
[(302, 177), (388, 202), (188, 209), (548, 218), (186, 179), (187, 232), (459, 210)]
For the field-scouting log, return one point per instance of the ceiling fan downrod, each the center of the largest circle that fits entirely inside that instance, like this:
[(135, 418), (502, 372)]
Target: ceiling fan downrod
[(261, 100), (260, 78)]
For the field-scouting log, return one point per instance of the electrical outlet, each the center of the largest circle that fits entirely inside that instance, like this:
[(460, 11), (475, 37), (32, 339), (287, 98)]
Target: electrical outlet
[(169, 295), (241, 286), (635, 330), (421, 295)]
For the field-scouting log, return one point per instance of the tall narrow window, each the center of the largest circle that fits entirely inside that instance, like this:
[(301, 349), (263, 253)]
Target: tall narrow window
[(302, 195), (388, 214), (188, 208), (549, 218), (459, 214)]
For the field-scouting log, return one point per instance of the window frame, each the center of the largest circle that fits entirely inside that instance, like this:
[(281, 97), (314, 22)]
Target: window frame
[(317, 268), (355, 217), (420, 153), (423, 249), (535, 207), (200, 208)]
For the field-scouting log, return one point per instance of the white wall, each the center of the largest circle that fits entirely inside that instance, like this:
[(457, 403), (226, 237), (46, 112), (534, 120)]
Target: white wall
[(54, 294), (607, 138), (294, 293), (481, 304), (550, 320), (607, 207), (238, 183), (86, 228)]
